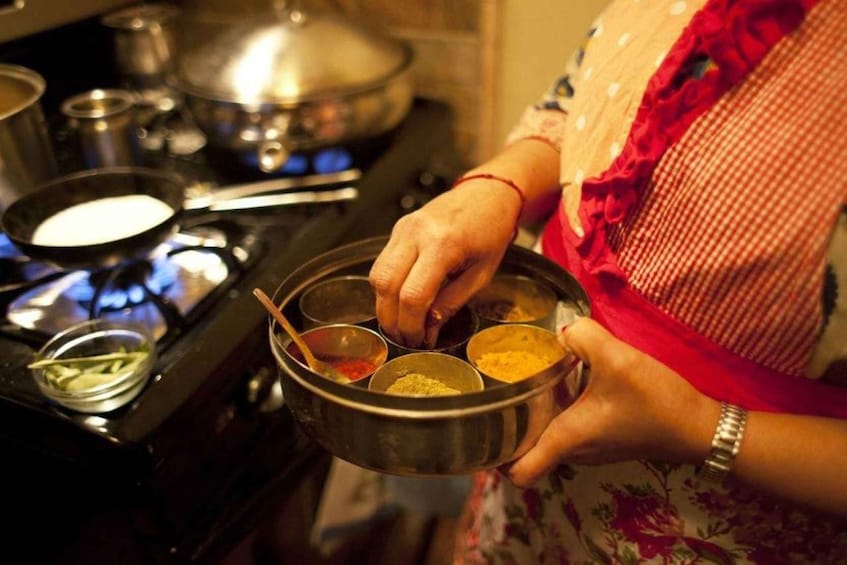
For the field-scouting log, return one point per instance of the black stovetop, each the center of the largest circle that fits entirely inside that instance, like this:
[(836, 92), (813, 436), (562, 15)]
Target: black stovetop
[(203, 410)]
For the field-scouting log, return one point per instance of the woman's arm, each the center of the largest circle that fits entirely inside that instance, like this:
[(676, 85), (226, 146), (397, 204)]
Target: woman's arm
[(637, 408), (439, 256)]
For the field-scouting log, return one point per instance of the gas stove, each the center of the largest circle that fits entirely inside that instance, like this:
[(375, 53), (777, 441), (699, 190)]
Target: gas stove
[(164, 292), (186, 469)]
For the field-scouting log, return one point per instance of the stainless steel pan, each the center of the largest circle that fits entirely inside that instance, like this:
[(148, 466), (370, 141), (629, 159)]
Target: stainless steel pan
[(21, 219)]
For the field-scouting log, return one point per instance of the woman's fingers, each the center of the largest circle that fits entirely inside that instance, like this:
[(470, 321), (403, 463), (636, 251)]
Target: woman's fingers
[(582, 337), (552, 447), (430, 247), (387, 275), (571, 436), (418, 292), (454, 295), (407, 277)]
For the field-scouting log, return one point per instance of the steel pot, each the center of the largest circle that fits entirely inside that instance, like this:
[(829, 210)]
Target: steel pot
[(145, 43), (429, 436), (293, 82), (26, 153), (105, 123)]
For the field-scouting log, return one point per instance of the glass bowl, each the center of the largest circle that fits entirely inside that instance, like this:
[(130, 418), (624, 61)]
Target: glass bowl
[(96, 366)]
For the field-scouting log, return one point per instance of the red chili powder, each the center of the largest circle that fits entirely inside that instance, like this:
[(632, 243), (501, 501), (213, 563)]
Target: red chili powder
[(353, 369)]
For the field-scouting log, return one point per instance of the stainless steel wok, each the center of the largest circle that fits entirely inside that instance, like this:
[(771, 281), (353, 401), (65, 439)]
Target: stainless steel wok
[(295, 81)]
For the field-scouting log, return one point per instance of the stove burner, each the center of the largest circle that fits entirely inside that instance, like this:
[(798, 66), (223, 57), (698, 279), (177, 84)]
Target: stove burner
[(110, 290), (160, 292), (323, 161)]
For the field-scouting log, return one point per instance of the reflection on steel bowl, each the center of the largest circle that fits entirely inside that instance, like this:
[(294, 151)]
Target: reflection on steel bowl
[(439, 435)]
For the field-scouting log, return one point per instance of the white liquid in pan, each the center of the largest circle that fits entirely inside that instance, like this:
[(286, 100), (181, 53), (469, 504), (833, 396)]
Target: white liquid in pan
[(102, 221)]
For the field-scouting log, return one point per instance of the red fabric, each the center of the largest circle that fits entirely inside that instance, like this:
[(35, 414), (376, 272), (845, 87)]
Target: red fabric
[(710, 368), (735, 35)]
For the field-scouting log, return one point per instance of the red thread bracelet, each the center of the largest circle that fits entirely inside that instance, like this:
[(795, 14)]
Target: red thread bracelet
[(508, 182)]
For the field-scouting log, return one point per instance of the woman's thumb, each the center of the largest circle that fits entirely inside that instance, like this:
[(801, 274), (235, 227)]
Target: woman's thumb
[(579, 337), (548, 452)]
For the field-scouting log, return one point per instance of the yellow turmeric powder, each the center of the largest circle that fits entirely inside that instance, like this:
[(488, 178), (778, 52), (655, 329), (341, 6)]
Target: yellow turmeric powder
[(416, 384), (511, 366)]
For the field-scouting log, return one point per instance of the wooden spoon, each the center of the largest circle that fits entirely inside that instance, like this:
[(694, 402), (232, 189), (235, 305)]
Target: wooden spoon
[(315, 364)]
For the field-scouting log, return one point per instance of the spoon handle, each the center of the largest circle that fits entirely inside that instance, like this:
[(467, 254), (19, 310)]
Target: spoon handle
[(289, 329)]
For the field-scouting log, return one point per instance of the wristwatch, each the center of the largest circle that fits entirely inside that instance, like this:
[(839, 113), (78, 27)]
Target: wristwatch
[(725, 444)]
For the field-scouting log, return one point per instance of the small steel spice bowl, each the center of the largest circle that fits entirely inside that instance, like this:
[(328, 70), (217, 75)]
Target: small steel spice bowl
[(452, 338), (420, 436), (98, 337), (446, 369), (507, 353), (510, 298), (353, 350), (339, 300)]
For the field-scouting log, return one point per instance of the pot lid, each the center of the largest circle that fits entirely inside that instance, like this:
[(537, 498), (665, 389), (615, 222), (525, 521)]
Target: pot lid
[(291, 56)]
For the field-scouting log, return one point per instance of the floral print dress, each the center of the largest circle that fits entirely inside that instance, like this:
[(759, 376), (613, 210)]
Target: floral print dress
[(700, 143)]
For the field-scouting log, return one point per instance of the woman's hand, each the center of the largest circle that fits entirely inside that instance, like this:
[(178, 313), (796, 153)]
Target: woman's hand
[(439, 256), (633, 407)]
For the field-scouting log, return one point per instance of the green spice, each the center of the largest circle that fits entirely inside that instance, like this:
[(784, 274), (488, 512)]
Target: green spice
[(82, 373), (416, 384)]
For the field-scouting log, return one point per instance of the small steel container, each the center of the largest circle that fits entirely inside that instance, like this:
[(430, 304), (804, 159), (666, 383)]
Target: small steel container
[(105, 122), (338, 344), (145, 41), (518, 299), (446, 369), (339, 300), (452, 338), (420, 436), (515, 342), (26, 152)]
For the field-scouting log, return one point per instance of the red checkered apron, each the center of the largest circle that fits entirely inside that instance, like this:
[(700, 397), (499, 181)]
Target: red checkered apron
[(705, 242)]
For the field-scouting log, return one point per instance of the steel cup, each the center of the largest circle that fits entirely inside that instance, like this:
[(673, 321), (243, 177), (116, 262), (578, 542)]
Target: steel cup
[(515, 299), (105, 122), (339, 300)]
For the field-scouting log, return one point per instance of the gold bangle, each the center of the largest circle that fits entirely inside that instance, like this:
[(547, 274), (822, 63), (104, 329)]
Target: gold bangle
[(725, 443)]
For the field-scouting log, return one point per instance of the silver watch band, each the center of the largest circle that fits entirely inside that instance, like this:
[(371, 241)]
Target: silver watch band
[(725, 443)]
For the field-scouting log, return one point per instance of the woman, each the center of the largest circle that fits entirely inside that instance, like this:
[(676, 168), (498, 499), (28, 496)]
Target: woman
[(695, 155)]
